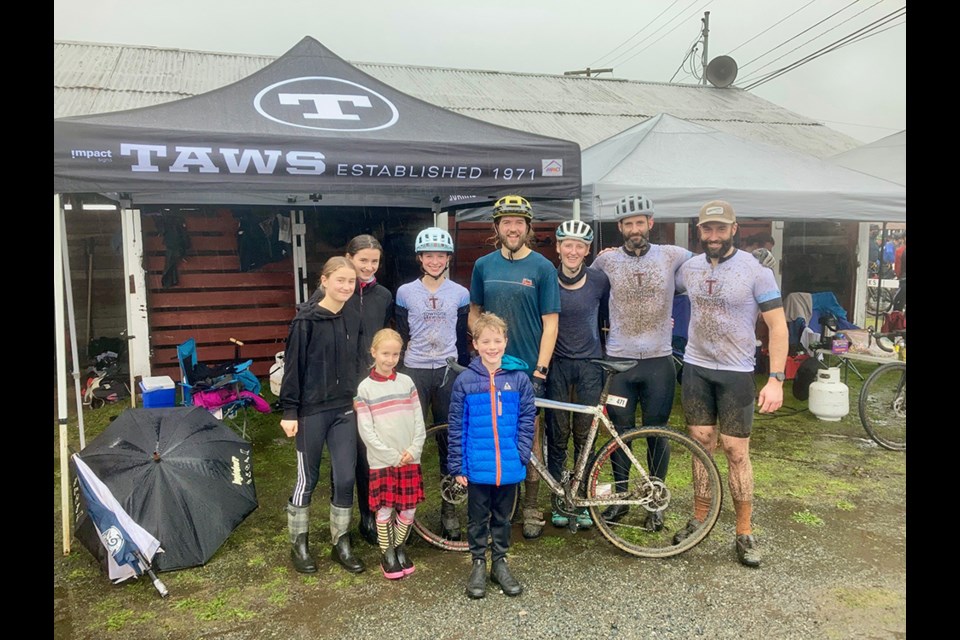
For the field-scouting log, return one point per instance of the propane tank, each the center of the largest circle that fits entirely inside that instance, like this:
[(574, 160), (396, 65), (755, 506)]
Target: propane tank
[(276, 373), (829, 398)]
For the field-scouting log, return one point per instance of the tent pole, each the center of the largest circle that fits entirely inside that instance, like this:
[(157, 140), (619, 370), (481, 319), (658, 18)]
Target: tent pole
[(59, 340), (576, 208), (72, 320)]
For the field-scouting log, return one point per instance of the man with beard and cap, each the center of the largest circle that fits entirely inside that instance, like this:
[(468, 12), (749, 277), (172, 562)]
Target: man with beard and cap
[(641, 278), (520, 286), (727, 288)]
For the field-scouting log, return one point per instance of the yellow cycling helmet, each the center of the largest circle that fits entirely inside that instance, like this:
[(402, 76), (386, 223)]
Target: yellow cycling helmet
[(512, 206)]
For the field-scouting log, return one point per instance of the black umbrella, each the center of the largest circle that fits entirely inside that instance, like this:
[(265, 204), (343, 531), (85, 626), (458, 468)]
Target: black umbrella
[(180, 473)]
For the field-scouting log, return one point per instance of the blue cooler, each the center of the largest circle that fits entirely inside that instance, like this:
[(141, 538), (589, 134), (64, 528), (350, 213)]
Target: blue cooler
[(158, 391)]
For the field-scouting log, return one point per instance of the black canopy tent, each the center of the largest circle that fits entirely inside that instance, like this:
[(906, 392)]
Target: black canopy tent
[(309, 127), (308, 123)]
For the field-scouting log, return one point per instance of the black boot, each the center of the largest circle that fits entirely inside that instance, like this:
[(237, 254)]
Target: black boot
[(477, 582), (368, 527), (614, 512), (342, 553), (303, 561), (449, 521), (501, 575)]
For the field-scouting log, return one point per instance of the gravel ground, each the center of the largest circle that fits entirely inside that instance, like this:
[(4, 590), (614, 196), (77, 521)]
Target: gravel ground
[(834, 566)]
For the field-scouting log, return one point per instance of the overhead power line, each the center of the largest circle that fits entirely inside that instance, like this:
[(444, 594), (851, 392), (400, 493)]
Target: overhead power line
[(756, 72), (780, 21), (873, 29), (635, 34), (769, 51), (678, 25)]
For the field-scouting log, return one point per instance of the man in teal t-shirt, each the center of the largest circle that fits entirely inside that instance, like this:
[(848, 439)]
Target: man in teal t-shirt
[(520, 286)]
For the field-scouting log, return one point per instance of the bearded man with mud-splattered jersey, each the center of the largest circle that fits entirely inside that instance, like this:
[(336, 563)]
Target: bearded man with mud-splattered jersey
[(727, 288), (641, 305)]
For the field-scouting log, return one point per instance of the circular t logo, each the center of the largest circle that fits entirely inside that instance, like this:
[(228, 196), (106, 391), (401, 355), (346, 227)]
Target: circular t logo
[(325, 104)]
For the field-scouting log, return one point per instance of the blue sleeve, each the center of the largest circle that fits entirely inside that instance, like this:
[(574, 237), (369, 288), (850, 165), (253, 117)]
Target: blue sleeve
[(455, 428), (526, 418), (476, 284), (549, 289)]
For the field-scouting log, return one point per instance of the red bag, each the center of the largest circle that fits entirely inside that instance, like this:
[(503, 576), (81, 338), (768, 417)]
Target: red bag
[(895, 321)]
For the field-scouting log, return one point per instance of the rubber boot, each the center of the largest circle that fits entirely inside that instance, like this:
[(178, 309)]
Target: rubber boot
[(298, 524), (388, 558), (340, 535), (477, 582), (401, 531), (500, 574)]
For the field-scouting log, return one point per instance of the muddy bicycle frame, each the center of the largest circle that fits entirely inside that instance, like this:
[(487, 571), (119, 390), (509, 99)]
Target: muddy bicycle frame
[(569, 490)]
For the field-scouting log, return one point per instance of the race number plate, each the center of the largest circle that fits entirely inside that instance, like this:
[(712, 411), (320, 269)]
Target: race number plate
[(617, 401)]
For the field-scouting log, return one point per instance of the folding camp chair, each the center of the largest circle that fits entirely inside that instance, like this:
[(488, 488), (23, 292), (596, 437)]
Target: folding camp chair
[(218, 388)]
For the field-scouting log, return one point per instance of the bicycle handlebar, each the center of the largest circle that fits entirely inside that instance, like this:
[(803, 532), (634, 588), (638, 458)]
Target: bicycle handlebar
[(885, 339)]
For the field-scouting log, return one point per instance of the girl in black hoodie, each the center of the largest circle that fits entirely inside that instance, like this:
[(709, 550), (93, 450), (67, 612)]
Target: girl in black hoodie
[(316, 396), (374, 303)]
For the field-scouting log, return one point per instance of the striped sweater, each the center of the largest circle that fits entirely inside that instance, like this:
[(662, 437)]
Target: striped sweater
[(389, 419)]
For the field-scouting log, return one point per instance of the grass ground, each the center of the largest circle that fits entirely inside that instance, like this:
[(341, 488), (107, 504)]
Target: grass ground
[(818, 470)]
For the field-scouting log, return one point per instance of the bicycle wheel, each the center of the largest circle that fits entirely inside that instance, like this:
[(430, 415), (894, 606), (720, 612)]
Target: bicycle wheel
[(428, 521), (883, 406), (884, 305), (674, 495)]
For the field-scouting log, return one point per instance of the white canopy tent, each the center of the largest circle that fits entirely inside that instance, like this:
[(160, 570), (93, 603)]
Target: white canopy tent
[(884, 158), (680, 165)]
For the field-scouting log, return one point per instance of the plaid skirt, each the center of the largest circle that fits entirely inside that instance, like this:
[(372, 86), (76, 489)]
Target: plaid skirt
[(400, 488)]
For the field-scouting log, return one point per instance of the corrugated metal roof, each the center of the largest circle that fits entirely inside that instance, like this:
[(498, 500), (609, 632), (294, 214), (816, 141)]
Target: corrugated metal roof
[(98, 78)]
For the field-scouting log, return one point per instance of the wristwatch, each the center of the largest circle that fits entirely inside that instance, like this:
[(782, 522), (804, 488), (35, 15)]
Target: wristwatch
[(778, 375), (542, 369)]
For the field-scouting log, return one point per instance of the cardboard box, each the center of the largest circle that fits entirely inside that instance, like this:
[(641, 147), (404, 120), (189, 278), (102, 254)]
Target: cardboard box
[(158, 391)]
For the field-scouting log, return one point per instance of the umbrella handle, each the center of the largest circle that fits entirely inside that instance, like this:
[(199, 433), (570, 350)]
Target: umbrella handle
[(162, 588)]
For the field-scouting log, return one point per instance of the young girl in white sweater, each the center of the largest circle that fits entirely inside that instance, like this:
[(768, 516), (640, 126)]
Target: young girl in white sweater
[(390, 423)]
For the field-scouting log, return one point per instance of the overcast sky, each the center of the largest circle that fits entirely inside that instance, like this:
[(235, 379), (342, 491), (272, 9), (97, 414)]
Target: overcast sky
[(859, 89)]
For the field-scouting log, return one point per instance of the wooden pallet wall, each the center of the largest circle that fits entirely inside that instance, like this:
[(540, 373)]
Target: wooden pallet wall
[(214, 300)]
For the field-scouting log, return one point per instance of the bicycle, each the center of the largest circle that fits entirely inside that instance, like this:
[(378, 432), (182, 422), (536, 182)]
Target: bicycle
[(592, 483), (883, 397)]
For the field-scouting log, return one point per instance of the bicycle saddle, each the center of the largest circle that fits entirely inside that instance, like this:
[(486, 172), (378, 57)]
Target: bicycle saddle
[(616, 366)]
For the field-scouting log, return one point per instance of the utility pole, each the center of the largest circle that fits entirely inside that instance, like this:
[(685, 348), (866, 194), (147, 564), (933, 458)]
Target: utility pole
[(588, 72), (706, 35)]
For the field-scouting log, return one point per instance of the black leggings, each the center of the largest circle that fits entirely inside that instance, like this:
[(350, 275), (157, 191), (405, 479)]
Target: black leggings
[(434, 387), (337, 428), (651, 384)]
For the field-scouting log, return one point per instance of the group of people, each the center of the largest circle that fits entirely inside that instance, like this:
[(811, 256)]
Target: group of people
[(362, 370)]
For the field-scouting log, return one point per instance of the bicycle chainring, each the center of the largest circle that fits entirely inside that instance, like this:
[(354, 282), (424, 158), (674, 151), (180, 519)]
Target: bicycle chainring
[(451, 491)]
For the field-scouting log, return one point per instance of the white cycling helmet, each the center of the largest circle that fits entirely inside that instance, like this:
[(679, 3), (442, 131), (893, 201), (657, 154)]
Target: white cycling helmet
[(635, 205), (575, 230), (433, 239)]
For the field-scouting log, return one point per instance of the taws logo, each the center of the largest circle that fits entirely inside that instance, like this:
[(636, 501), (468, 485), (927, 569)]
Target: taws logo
[(325, 104)]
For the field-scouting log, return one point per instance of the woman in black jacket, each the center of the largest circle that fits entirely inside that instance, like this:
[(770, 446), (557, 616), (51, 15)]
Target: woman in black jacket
[(316, 396)]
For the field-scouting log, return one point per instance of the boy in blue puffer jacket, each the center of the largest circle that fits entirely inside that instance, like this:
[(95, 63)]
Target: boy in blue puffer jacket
[(491, 426)]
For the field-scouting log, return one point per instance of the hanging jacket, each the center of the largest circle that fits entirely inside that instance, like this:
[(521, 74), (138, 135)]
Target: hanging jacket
[(491, 423), (320, 361)]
